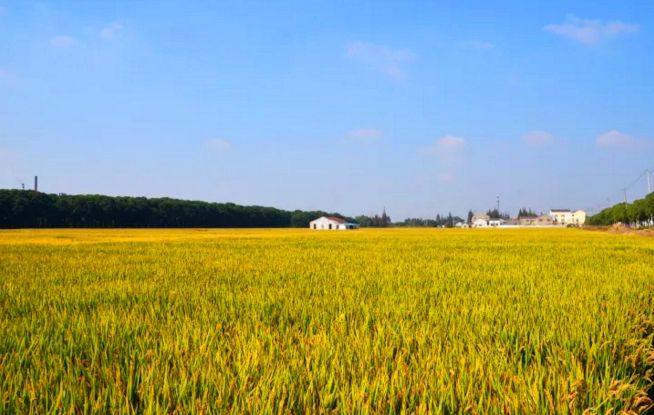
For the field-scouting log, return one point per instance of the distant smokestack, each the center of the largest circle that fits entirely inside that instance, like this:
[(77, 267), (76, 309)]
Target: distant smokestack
[(36, 183)]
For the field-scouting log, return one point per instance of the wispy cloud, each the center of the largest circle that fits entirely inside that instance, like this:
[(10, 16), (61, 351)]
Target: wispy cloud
[(385, 59), (365, 134), (618, 140), (447, 145), (590, 32), (62, 41), (477, 44), (111, 31), (538, 138), (218, 145)]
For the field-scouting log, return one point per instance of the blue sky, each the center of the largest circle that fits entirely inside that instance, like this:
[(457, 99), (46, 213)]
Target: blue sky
[(421, 107)]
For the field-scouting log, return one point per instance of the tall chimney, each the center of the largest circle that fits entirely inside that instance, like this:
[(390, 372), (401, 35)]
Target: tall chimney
[(36, 183)]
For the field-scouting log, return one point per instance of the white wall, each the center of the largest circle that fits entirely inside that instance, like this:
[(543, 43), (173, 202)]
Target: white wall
[(564, 218), (479, 223), (323, 223)]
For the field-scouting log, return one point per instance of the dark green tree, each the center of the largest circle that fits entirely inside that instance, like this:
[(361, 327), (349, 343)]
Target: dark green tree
[(28, 209)]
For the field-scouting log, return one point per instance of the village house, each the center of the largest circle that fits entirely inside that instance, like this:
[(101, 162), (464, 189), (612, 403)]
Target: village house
[(542, 220), (496, 222), (331, 222), (511, 223), (567, 217), (480, 220)]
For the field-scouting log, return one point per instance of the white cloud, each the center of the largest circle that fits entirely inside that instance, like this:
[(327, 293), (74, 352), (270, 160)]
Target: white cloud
[(385, 59), (538, 138), (365, 134), (589, 32), (446, 147), (111, 31), (449, 143), (218, 145), (616, 139), (62, 41), (477, 44)]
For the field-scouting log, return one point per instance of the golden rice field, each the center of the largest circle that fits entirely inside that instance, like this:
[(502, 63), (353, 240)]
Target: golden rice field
[(367, 321)]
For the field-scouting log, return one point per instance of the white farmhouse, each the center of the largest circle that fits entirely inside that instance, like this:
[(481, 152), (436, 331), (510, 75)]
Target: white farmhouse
[(480, 220), (331, 222), (567, 217), (494, 223)]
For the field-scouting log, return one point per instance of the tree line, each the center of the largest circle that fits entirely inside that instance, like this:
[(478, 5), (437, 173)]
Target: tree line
[(28, 209), (375, 221), (638, 213), (441, 221)]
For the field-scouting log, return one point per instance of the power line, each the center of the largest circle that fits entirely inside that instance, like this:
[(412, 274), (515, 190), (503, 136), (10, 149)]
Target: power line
[(646, 173), (636, 180), (625, 195)]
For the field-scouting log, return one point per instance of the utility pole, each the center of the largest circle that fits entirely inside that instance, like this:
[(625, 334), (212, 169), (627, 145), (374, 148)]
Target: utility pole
[(626, 211), (624, 190), (648, 174), (498, 204)]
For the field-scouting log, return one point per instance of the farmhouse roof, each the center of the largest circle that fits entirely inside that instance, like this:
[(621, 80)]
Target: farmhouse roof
[(560, 210), (335, 219)]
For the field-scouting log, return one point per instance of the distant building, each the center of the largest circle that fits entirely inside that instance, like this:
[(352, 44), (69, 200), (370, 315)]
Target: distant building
[(542, 220), (494, 223), (579, 217), (331, 222), (567, 217), (511, 222), (480, 220)]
